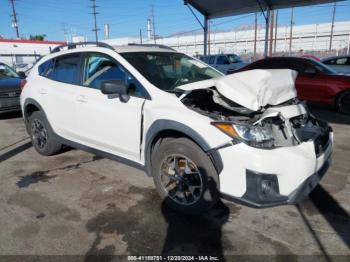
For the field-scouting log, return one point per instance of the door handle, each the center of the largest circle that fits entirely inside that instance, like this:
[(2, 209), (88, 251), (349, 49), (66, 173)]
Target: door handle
[(82, 98), (42, 91)]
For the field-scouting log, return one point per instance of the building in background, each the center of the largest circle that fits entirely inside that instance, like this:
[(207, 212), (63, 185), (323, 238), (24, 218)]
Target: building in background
[(313, 38), (21, 54)]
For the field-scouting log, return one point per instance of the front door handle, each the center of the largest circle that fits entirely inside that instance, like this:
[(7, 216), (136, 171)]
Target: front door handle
[(82, 98)]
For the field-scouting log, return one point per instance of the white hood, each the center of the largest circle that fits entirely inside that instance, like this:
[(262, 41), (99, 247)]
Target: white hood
[(253, 89)]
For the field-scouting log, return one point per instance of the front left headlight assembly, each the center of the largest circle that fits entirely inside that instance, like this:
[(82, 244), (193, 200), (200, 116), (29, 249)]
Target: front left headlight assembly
[(259, 136)]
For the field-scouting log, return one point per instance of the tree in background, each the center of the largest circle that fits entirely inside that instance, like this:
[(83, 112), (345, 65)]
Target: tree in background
[(37, 37)]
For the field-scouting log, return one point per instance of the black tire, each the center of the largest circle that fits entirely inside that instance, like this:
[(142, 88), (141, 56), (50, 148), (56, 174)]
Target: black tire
[(42, 135), (206, 175), (343, 103)]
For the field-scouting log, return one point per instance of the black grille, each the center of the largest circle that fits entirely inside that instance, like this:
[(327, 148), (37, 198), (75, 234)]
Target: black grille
[(321, 142), (10, 94)]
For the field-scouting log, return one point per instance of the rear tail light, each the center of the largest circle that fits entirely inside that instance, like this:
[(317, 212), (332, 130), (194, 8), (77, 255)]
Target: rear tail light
[(22, 83)]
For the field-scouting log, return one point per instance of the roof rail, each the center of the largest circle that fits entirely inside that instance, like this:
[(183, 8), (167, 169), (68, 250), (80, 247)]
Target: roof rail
[(74, 45), (153, 45)]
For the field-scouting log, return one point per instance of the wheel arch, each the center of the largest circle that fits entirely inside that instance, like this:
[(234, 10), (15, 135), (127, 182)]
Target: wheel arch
[(30, 106), (161, 129)]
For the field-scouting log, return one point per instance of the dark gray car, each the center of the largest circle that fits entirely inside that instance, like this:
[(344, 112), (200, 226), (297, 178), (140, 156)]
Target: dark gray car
[(10, 89)]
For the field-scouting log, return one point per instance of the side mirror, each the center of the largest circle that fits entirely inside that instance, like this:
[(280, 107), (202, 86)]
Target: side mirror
[(115, 87), (310, 71), (21, 74)]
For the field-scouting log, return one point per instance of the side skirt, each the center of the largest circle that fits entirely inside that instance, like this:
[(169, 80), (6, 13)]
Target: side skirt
[(100, 153)]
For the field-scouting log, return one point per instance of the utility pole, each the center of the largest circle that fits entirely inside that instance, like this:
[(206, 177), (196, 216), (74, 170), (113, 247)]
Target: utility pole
[(255, 34), (64, 32), (291, 31), (14, 15), (153, 25), (332, 27), (94, 13), (271, 31), (141, 36), (276, 26)]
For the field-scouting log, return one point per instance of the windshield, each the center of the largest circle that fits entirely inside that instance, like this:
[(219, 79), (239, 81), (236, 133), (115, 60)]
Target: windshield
[(322, 67), (168, 70), (6, 71)]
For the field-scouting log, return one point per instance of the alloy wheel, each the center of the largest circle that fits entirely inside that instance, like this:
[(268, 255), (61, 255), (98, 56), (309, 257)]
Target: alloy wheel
[(181, 179)]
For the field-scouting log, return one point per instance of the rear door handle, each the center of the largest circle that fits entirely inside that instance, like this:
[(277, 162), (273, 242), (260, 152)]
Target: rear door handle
[(42, 91), (82, 98)]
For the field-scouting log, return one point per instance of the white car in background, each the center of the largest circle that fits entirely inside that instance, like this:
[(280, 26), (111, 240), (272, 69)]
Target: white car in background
[(200, 135), (341, 64), (225, 62)]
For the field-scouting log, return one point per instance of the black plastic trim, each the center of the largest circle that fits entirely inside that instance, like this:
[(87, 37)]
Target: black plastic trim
[(99, 152)]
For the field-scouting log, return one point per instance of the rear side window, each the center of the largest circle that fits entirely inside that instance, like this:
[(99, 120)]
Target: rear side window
[(66, 69), (46, 67)]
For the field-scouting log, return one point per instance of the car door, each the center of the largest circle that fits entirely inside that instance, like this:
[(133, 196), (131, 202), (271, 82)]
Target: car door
[(311, 84), (105, 122), (56, 89)]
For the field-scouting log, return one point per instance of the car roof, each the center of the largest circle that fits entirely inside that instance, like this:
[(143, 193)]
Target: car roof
[(334, 57), (142, 48)]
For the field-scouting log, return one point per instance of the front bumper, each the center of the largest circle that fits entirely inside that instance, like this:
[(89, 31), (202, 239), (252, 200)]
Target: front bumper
[(264, 178), (257, 198)]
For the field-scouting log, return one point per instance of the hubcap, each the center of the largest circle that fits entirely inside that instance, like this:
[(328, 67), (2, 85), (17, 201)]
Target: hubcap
[(39, 134), (345, 103), (181, 180)]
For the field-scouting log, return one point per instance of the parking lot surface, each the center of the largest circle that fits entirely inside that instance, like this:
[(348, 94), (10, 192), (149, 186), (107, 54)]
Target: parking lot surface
[(76, 203)]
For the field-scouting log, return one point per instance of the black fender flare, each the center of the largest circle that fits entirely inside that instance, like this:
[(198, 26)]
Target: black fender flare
[(170, 125)]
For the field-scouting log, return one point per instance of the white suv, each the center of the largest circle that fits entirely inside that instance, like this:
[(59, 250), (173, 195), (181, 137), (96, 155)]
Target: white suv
[(200, 135)]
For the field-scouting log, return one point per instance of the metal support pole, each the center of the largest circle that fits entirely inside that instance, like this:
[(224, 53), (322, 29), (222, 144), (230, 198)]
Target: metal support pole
[(205, 30), (272, 21), (267, 24), (255, 34), (276, 27), (291, 31), (332, 27)]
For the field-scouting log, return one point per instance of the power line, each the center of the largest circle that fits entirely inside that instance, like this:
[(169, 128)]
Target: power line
[(94, 13), (14, 15)]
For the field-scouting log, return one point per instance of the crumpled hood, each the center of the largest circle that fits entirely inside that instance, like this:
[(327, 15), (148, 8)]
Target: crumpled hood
[(253, 89)]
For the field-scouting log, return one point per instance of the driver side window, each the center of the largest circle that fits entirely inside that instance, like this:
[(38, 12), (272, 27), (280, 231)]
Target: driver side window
[(99, 68)]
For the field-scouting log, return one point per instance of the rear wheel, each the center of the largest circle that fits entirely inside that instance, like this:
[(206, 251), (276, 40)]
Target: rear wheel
[(343, 102), (42, 136), (185, 176)]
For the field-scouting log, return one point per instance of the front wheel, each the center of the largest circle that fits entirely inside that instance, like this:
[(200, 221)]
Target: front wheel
[(184, 176), (343, 103)]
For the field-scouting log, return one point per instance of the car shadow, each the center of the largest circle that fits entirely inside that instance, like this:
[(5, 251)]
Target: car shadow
[(15, 151), (329, 114), (10, 115), (337, 217), (151, 227), (195, 234)]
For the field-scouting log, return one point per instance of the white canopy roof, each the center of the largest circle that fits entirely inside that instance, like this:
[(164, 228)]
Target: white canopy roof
[(222, 8)]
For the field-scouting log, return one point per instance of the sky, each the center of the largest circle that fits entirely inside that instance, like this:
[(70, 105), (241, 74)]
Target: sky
[(127, 18)]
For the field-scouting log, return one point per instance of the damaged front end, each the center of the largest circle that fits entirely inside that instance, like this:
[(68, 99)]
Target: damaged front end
[(267, 121)]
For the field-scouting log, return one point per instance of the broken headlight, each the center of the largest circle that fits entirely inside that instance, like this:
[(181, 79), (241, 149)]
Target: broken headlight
[(256, 136)]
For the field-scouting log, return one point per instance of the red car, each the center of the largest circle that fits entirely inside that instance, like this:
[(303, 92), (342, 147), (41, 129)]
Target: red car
[(315, 82)]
